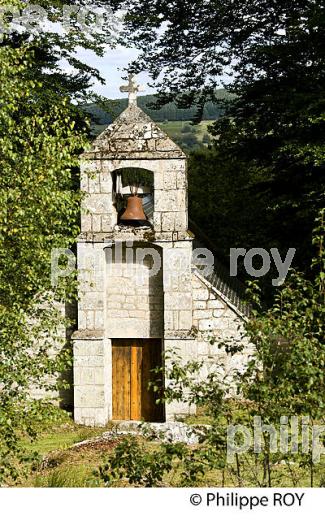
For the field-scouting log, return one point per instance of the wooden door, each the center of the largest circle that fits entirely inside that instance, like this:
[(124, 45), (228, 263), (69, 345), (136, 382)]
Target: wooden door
[(133, 361)]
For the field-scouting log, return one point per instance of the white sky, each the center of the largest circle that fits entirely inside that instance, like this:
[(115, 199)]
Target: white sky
[(110, 67)]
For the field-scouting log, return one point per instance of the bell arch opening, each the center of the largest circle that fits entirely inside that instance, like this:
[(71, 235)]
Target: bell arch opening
[(133, 196)]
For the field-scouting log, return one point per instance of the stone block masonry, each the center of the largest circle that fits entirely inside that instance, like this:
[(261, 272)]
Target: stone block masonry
[(217, 323), (98, 211), (134, 297), (121, 298), (92, 379)]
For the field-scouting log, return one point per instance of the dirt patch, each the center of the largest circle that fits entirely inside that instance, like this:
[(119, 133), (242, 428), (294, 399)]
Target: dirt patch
[(101, 445), (98, 446)]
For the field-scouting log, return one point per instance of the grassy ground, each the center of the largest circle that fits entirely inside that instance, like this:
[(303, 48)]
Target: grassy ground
[(61, 464), (61, 437)]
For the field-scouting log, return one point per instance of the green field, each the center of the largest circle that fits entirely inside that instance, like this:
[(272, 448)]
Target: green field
[(173, 128)]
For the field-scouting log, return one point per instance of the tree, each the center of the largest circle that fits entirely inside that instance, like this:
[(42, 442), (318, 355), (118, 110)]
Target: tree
[(189, 140), (42, 133), (283, 379), (206, 139), (286, 375), (274, 125), (39, 211), (220, 202), (187, 129)]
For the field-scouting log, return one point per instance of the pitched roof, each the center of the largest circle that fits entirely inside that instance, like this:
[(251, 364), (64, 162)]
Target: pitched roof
[(133, 135), (228, 287)]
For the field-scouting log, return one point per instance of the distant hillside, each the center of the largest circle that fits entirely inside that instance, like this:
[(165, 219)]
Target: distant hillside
[(169, 112)]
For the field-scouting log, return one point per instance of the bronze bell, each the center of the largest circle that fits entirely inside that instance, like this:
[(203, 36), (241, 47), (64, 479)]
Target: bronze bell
[(134, 214)]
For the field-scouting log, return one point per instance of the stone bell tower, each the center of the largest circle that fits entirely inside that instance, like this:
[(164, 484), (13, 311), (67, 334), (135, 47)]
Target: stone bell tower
[(135, 291)]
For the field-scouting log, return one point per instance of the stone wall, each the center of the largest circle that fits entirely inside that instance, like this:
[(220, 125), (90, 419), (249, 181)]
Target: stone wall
[(118, 299), (99, 213), (91, 277), (63, 396), (92, 372), (91, 356), (170, 199), (177, 288), (134, 293), (215, 319)]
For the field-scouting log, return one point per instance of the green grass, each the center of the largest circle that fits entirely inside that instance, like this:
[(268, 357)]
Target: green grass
[(76, 475), (62, 465), (61, 437), (175, 127)]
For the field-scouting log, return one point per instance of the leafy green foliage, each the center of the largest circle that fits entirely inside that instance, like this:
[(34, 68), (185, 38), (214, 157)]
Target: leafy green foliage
[(269, 144), (39, 211), (42, 134), (283, 377), (140, 467)]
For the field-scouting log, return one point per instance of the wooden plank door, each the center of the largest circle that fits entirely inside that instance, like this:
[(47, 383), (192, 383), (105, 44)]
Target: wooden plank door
[(132, 364), (135, 381), (151, 359), (121, 358)]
